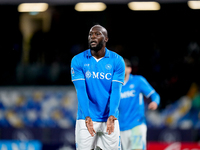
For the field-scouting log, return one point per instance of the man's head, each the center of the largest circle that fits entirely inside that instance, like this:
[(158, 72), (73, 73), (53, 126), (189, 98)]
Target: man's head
[(97, 38), (128, 67)]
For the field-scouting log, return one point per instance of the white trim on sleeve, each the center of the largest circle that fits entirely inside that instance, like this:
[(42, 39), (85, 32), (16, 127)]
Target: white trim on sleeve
[(153, 91), (117, 81), (77, 79)]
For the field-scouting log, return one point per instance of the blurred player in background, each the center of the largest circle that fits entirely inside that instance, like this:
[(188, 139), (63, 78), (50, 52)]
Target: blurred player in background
[(98, 75), (132, 111)]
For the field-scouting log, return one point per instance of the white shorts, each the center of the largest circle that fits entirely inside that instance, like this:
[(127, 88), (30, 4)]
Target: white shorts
[(134, 138), (84, 140)]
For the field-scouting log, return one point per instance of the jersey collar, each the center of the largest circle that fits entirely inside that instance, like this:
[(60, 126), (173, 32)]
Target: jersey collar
[(107, 54)]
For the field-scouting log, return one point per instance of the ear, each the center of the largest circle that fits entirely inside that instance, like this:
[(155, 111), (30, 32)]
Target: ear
[(106, 39), (129, 69)]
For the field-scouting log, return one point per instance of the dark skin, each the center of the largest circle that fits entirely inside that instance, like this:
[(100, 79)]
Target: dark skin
[(97, 42), (97, 36)]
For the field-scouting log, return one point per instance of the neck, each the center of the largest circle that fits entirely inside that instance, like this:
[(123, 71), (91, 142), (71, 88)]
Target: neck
[(99, 54), (126, 77)]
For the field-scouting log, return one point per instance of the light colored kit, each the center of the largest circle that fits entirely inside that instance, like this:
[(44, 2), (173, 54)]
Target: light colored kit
[(101, 138)]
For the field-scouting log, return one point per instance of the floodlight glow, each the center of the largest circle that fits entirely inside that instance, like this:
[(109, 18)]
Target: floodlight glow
[(194, 4), (95, 6), (144, 6), (32, 7)]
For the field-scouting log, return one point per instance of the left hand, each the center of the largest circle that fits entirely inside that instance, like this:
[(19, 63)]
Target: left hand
[(110, 124), (153, 106)]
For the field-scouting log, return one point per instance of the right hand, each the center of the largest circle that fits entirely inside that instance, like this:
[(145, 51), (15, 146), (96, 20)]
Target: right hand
[(153, 106), (89, 125)]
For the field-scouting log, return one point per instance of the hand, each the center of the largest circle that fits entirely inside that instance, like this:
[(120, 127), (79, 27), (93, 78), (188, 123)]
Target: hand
[(153, 106), (89, 125), (110, 124)]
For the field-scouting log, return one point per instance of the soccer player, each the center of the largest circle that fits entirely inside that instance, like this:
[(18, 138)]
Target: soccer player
[(132, 123), (98, 75)]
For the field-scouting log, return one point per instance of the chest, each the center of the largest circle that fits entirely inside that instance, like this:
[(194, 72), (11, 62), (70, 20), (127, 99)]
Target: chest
[(130, 86), (102, 69), (131, 89)]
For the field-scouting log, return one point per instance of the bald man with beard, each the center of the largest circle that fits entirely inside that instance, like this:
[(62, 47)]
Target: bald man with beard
[(97, 74)]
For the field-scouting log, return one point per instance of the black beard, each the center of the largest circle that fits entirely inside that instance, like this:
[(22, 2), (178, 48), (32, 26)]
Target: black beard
[(97, 48)]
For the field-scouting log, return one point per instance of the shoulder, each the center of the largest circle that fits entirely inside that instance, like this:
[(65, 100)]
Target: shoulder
[(137, 77), (80, 56), (117, 59), (115, 55)]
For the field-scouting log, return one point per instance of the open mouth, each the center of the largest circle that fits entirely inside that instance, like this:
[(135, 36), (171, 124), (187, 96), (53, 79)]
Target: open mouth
[(93, 43)]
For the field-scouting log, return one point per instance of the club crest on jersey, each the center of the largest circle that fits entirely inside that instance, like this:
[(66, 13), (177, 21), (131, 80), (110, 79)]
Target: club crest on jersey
[(108, 66), (88, 74), (131, 86)]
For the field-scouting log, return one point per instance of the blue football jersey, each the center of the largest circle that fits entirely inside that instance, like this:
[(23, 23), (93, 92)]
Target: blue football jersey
[(131, 108), (98, 75)]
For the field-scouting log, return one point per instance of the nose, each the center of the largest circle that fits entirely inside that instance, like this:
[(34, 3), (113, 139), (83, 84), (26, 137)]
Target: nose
[(92, 36)]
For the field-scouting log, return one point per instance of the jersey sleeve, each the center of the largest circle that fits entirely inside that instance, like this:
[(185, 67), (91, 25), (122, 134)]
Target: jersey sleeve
[(115, 98), (155, 97), (146, 88), (149, 91), (76, 70), (82, 96), (78, 78), (119, 72)]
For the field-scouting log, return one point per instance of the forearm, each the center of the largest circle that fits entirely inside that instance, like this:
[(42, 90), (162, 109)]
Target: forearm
[(115, 98), (82, 96)]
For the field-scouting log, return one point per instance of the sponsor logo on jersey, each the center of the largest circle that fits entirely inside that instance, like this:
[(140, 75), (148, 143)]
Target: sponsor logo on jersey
[(98, 75), (87, 65), (128, 94)]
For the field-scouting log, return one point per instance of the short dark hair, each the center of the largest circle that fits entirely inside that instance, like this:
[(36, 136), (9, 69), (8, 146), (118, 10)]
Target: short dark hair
[(127, 62)]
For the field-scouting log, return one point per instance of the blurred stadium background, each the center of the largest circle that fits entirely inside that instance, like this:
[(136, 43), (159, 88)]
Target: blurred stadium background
[(37, 99)]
